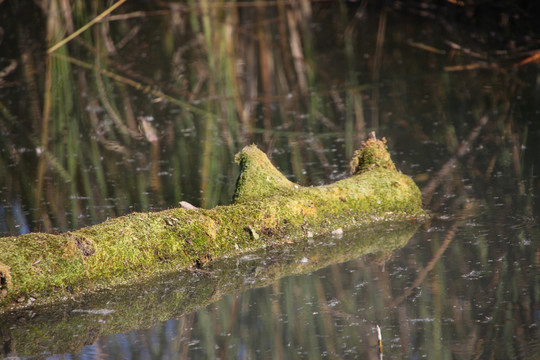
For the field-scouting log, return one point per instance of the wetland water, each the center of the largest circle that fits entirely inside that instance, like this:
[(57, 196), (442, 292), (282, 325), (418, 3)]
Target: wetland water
[(148, 108)]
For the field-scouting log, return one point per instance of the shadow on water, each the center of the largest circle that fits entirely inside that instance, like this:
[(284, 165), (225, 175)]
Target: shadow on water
[(148, 107)]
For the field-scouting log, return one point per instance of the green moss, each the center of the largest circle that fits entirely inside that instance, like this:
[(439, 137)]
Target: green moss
[(373, 153), (258, 177), (268, 209)]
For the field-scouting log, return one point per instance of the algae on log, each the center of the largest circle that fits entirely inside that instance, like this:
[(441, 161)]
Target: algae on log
[(267, 209)]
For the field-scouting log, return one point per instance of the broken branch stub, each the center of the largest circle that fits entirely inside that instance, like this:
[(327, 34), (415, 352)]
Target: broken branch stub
[(372, 153)]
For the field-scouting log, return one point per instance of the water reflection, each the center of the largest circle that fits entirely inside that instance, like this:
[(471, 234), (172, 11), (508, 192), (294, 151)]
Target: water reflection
[(149, 107), (450, 293)]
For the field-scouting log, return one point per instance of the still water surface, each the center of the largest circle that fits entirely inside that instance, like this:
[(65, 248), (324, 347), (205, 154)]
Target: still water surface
[(472, 300), (306, 82)]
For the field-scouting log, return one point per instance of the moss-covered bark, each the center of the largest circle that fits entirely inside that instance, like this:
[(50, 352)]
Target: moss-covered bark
[(267, 209)]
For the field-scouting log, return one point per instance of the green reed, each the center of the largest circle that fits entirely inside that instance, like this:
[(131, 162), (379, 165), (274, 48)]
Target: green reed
[(235, 74), (229, 74)]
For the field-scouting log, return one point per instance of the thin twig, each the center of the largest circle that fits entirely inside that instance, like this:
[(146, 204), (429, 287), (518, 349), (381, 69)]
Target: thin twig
[(464, 50), (85, 27), (379, 338), (426, 47), (480, 65)]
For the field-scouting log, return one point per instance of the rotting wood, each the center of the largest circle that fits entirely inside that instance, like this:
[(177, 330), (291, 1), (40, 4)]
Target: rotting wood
[(267, 209)]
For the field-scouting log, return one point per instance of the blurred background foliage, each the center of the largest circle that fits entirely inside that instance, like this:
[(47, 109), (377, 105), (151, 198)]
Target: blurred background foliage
[(149, 105)]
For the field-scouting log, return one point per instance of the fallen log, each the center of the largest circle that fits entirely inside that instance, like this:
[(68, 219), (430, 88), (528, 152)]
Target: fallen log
[(267, 209)]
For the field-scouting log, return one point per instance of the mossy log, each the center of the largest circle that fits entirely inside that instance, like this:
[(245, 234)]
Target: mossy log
[(267, 209)]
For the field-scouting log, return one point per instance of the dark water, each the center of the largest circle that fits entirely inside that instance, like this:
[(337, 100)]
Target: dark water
[(306, 82)]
